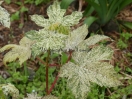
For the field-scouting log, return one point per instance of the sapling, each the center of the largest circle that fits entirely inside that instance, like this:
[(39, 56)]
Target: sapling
[(56, 36)]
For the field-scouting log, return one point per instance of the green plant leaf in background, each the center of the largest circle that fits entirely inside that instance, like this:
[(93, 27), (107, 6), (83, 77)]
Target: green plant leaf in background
[(15, 16), (106, 10), (65, 3), (2, 95), (8, 1), (127, 24), (89, 20)]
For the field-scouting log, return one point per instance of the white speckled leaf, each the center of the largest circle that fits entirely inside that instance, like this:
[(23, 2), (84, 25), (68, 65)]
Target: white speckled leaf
[(49, 97), (92, 40), (4, 17), (55, 13), (89, 67), (76, 36), (72, 19), (40, 20), (22, 51), (32, 96), (57, 21), (10, 89), (46, 39), (96, 54), (77, 80)]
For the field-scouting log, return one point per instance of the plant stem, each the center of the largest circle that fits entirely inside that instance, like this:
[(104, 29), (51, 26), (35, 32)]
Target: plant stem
[(57, 77), (53, 84), (47, 69)]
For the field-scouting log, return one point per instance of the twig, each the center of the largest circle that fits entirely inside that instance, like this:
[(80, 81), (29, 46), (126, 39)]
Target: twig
[(55, 81), (47, 69), (53, 84), (80, 5), (39, 59), (127, 76), (51, 65)]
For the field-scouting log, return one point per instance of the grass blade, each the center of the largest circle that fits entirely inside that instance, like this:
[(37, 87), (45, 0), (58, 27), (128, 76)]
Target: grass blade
[(66, 3)]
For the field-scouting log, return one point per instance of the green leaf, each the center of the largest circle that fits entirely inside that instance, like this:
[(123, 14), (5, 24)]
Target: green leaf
[(124, 3), (8, 1), (128, 24), (65, 3), (15, 16), (2, 96), (23, 9), (89, 20), (64, 58)]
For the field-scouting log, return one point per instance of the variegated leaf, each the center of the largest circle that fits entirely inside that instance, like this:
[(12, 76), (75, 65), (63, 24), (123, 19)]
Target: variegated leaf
[(47, 39), (32, 96), (40, 20), (89, 67), (22, 51), (92, 40), (57, 21), (49, 97), (72, 19), (76, 36), (99, 53), (10, 89), (4, 17), (55, 13)]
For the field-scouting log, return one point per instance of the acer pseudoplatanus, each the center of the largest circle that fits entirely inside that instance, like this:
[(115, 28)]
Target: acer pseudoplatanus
[(88, 65)]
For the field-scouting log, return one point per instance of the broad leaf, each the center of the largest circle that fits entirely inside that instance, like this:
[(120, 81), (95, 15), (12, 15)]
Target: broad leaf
[(49, 97), (32, 96), (22, 51), (46, 39), (4, 17), (92, 40), (9, 89), (40, 20), (57, 21), (89, 67), (35, 96), (76, 36)]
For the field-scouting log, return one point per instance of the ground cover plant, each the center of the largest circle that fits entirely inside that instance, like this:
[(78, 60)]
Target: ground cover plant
[(68, 65)]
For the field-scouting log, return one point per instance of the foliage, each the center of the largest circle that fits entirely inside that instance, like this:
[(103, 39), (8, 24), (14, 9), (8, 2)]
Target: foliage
[(10, 89), (123, 41), (106, 9), (87, 68), (4, 16), (36, 2), (87, 64), (65, 3), (22, 51)]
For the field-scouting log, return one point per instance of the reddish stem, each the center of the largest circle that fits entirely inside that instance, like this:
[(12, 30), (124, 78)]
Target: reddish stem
[(55, 81), (53, 84), (47, 70)]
